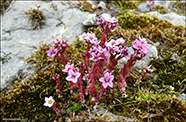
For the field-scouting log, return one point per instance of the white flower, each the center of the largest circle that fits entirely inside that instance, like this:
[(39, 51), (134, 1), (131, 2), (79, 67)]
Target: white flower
[(171, 88), (49, 101)]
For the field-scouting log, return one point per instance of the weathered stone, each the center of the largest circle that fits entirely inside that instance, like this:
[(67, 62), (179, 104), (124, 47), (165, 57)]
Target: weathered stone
[(101, 5), (20, 41), (182, 96), (144, 7), (102, 111), (90, 20), (174, 18)]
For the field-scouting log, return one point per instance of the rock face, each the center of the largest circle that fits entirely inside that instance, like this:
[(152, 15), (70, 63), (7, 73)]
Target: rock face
[(20, 41), (141, 63), (102, 111), (182, 96), (174, 18), (145, 8)]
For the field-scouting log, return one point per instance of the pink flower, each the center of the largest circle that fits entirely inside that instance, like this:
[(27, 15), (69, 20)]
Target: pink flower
[(56, 76), (52, 53), (111, 43), (95, 57), (64, 44), (93, 50), (140, 45), (49, 101), (73, 76), (125, 53), (100, 21), (148, 69), (121, 41), (114, 50), (83, 36), (111, 19), (107, 80), (68, 67), (95, 42), (91, 36)]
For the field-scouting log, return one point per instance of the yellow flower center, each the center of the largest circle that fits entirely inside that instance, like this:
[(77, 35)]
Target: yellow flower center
[(50, 101), (73, 76), (106, 79), (83, 36), (141, 46), (110, 20)]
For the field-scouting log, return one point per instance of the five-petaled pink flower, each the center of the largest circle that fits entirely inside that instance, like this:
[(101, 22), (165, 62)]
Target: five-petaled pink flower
[(140, 45), (49, 101), (91, 37), (125, 53), (83, 36), (111, 19), (100, 21), (107, 80), (73, 76), (52, 53), (68, 67)]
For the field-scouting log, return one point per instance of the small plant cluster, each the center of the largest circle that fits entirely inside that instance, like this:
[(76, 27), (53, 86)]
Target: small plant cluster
[(36, 17), (94, 75)]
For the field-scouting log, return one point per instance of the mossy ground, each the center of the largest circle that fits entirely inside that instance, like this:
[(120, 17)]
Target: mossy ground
[(151, 99)]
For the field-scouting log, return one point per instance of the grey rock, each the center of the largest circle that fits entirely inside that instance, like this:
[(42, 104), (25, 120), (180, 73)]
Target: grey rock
[(11, 70), (175, 57), (104, 15), (101, 5), (102, 111), (19, 41), (90, 21), (182, 96), (144, 7), (144, 62), (73, 19), (174, 18)]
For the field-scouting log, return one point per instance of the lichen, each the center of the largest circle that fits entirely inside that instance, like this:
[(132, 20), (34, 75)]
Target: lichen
[(36, 17)]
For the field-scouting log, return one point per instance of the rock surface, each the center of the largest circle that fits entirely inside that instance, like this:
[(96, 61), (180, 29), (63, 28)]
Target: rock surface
[(182, 96), (19, 40), (144, 7), (174, 18)]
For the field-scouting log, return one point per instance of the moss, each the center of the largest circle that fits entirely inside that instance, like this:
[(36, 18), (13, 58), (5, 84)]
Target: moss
[(86, 6), (124, 6), (24, 94), (161, 9), (170, 71), (144, 103), (36, 17), (178, 7)]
